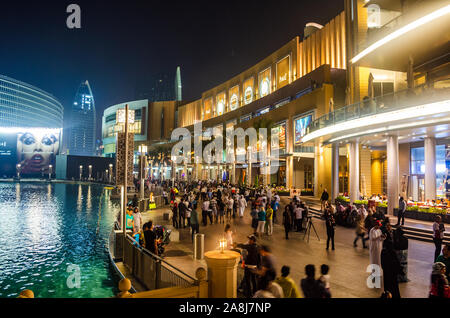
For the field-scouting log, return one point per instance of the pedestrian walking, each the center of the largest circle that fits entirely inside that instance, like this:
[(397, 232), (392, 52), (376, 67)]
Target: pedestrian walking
[(401, 212), (287, 221), (261, 222), (376, 238), (438, 235), (323, 199), (330, 224)]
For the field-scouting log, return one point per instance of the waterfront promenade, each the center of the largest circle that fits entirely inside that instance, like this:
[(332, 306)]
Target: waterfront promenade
[(347, 264)]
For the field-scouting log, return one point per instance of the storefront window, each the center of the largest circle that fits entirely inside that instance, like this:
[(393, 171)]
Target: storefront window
[(418, 166)]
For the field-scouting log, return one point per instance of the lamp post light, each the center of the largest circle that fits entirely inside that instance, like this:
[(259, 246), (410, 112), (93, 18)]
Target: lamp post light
[(18, 171), (81, 172), (110, 172), (106, 174), (50, 172), (90, 172)]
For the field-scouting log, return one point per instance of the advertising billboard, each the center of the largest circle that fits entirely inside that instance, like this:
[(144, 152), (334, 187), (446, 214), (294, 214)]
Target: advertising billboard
[(220, 103), (234, 97), (248, 90), (34, 149), (8, 157), (280, 130), (264, 79), (300, 125), (283, 72)]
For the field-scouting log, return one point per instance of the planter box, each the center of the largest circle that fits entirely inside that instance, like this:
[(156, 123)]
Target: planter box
[(424, 216), (283, 193)]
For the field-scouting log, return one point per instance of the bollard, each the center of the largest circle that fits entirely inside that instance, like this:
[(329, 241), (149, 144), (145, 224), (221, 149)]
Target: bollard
[(199, 246)]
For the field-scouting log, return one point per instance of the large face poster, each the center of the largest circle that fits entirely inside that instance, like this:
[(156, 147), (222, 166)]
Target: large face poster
[(37, 149), (220, 103), (265, 82), (279, 130), (300, 125), (248, 90), (234, 97), (283, 71)]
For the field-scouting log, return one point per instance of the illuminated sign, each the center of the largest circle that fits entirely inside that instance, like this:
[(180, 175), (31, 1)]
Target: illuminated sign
[(234, 97), (220, 100), (300, 125), (279, 130), (207, 108), (33, 148), (264, 82), (283, 71), (248, 91)]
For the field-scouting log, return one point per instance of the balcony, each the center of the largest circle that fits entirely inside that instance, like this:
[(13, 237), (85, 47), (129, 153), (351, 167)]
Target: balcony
[(420, 33), (410, 107)]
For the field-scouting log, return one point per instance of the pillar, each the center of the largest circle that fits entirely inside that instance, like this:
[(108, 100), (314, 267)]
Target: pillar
[(353, 163), (430, 168), (233, 174), (334, 171), (392, 173), (289, 172), (222, 273)]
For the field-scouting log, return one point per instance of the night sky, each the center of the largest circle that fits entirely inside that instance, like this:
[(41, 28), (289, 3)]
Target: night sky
[(123, 44)]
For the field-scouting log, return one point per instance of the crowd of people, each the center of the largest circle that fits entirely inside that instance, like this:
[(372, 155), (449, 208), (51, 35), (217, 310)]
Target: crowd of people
[(208, 203)]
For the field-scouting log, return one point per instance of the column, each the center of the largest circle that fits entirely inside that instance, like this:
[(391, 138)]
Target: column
[(334, 171), (392, 173), (353, 163), (233, 174), (430, 168), (289, 172), (222, 273)]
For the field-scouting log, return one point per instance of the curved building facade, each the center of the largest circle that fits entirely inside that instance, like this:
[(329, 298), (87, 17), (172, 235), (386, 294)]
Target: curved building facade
[(23, 105), (31, 122)]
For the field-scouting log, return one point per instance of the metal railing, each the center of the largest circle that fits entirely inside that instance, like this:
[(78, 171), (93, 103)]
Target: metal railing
[(382, 104), (151, 270)]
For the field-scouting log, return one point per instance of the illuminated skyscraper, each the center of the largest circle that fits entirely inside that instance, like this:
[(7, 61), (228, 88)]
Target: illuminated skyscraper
[(178, 86), (82, 126)]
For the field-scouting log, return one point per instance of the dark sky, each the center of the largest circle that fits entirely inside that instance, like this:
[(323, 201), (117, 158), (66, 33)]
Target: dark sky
[(122, 44)]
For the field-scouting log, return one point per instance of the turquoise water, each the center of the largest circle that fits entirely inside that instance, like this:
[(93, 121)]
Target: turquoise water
[(52, 234)]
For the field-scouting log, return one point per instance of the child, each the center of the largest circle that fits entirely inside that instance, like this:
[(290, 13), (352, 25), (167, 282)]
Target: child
[(325, 278), (229, 236)]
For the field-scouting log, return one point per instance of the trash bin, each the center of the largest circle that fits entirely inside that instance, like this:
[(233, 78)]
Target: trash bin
[(199, 246)]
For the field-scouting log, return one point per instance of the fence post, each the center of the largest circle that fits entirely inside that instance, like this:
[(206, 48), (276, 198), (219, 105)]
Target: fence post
[(158, 274)]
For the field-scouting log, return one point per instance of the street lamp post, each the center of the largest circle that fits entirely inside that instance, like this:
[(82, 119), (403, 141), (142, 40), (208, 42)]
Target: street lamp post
[(18, 171), (106, 175), (50, 172), (81, 172), (110, 172), (90, 172)]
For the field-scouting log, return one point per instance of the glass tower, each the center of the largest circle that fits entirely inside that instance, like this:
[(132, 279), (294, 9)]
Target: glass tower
[(82, 126)]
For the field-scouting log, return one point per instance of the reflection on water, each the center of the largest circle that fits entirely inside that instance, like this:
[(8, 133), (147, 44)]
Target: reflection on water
[(44, 229)]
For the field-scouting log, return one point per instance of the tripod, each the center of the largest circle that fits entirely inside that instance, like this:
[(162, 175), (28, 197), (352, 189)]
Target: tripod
[(310, 224)]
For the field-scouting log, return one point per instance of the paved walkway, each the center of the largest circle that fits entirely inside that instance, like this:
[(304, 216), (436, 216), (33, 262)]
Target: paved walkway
[(348, 264)]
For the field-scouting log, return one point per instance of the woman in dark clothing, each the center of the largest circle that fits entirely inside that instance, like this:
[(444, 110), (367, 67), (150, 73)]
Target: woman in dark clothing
[(287, 222), (331, 225), (391, 267), (401, 249)]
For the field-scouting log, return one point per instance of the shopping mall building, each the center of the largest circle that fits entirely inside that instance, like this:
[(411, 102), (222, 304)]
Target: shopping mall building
[(31, 122), (360, 106)]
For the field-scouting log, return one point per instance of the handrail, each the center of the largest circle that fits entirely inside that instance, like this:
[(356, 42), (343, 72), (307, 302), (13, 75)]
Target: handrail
[(371, 106), (157, 258)]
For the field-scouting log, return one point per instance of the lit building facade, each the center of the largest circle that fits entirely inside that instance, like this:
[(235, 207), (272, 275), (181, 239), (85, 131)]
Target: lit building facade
[(284, 92), (31, 122), (361, 105), (392, 136), (82, 126)]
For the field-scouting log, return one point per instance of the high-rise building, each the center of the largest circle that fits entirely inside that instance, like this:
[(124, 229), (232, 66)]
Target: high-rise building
[(82, 126), (178, 86), (160, 88)]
